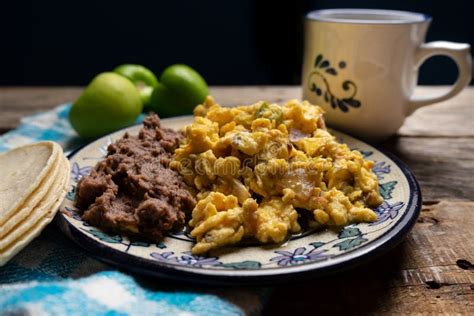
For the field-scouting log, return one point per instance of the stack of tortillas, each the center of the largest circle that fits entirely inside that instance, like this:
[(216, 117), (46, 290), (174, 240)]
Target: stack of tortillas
[(33, 182)]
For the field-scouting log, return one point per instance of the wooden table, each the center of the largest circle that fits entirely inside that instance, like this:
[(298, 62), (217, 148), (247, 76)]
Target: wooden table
[(432, 271)]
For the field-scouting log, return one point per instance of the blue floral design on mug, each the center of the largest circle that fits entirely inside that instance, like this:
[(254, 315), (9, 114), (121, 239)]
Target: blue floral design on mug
[(319, 84)]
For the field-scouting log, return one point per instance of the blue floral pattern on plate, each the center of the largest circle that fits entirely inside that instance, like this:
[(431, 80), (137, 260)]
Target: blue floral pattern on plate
[(298, 256), (78, 172), (381, 168), (186, 258), (386, 212)]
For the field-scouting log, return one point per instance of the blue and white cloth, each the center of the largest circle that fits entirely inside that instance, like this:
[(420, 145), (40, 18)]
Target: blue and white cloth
[(53, 276)]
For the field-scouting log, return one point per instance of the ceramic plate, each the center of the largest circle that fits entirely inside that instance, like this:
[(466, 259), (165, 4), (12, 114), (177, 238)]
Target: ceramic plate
[(313, 253)]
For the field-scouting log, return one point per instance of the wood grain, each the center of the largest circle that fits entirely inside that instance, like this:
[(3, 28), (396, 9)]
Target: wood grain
[(432, 271), (17, 102), (444, 167), (451, 118)]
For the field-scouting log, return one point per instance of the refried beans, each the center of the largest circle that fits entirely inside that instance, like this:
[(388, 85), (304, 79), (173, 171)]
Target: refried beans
[(133, 190)]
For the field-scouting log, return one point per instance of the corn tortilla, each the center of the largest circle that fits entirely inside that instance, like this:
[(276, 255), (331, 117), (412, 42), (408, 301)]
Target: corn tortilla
[(22, 170), (45, 187), (40, 210), (17, 245)]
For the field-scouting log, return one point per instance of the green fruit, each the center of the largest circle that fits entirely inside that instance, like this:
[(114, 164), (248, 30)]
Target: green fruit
[(137, 74), (145, 96), (143, 78), (108, 103), (180, 89)]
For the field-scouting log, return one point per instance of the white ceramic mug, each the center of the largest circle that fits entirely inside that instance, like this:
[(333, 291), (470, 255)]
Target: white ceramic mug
[(361, 66)]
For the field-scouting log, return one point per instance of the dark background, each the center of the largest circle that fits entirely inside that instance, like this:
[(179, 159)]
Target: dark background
[(230, 42)]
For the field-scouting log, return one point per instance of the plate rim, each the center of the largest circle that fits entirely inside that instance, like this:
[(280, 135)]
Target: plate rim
[(144, 266)]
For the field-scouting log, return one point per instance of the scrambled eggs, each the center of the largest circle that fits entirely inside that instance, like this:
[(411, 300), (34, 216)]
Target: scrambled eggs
[(256, 168)]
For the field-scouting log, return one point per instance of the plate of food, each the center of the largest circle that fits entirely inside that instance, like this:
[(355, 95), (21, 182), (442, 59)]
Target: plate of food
[(257, 193)]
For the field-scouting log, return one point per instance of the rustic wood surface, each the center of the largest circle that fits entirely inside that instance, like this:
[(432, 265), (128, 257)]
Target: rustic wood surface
[(432, 271)]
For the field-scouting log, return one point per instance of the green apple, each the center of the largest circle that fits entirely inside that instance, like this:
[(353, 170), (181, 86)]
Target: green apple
[(143, 78), (108, 103), (138, 74), (180, 89)]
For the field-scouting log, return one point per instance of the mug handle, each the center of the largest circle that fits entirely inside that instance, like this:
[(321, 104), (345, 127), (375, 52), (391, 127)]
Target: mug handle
[(460, 53)]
